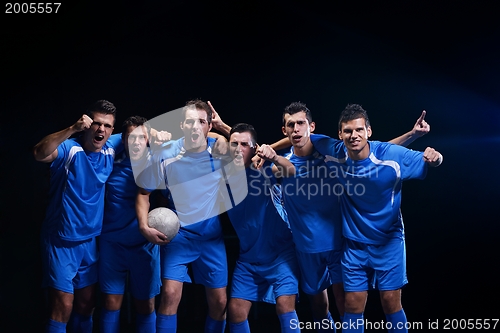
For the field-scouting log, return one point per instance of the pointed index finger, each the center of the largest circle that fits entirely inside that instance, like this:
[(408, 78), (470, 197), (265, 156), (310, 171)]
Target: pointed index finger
[(422, 117)]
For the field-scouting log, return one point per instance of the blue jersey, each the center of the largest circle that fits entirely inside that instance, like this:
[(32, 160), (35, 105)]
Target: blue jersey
[(77, 179), (194, 182), (372, 188), (262, 233), (312, 204), (120, 219)]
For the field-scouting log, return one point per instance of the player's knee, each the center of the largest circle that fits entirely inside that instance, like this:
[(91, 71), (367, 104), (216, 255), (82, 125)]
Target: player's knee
[(236, 313), (145, 307), (285, 304)]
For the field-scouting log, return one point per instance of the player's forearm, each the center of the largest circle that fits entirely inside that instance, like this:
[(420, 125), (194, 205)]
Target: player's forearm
[(283, 167), (224, 128), (281, 144), (142, 209), (405, 139), (43, 149)]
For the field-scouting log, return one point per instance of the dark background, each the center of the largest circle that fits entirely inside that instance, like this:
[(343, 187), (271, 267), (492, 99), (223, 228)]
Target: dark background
[(251, 60)]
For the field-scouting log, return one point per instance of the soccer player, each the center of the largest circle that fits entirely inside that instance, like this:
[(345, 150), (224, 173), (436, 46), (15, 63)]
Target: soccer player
[(123, 249), (312, 202), (193, 177), (266, 269), (79, 168), (371, 174)]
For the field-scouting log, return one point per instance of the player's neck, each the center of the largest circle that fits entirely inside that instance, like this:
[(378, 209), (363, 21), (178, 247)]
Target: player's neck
[(358, 155), (305, 150), (198, 149)]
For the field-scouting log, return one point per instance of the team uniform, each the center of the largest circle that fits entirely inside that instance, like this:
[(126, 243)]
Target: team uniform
[(194, 182), (75, 212), (123, 249), (374, 254), (266, 267), (312, 205)]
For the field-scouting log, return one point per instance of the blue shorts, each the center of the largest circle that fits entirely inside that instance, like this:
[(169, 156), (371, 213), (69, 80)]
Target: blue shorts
[(266, 282), (207, 258), (381, 267), (140, 261), (69, 265), (319, 271)]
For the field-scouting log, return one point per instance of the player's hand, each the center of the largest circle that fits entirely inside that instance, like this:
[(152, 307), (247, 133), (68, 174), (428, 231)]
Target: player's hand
[(421, 127), (257, 161), (83, 123), (267, 153), (432, 156), (154, 236), (216, 120), (162, 136), (221, 146)]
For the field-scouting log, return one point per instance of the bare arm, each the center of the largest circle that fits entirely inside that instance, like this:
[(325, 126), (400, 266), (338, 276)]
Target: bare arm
[(218, 124), (46, 149), (282, 167), (420, 129), (142, 210), (281, 144)]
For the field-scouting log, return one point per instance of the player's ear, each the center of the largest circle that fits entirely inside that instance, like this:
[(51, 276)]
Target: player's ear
[(182, 125), (312, 126), (283, 130), (369, 131)]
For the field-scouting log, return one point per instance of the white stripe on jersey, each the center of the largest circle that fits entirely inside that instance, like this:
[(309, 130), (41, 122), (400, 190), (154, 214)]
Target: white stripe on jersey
[(392, 164)]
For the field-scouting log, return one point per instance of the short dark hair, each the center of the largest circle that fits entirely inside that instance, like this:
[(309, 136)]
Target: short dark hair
[(243, 127), (102, 106), (296, 107), (351, 112), (135, 121), (199, 105)]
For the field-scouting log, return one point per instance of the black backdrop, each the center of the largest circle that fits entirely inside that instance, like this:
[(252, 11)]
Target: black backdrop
[(251, 60)]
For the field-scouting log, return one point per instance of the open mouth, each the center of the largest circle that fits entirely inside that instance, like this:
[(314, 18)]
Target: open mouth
[(296, 137), (99, 137), (195, 136)]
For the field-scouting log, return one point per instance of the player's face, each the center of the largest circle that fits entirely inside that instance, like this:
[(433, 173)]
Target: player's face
[(136, 142), (100, 130), (241, 148), (298, 129), (195, 127), (355, 135)]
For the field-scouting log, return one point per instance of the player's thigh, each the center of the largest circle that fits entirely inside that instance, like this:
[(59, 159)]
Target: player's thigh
[(314, 274), (283, 275), (113, 266), (248, 284), (144, 268), (69, 265), (357, 275), (210, 269), (175, 257), (389, 263)]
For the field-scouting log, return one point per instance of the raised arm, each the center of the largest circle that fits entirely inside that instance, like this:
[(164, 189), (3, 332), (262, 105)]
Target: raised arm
[(218, 124), (142, 210), (420, 129), (46, 149), (282, 167)]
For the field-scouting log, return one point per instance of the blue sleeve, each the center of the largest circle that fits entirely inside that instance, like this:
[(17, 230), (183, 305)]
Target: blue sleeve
[(326, 145), (115, 141), (414, 165)]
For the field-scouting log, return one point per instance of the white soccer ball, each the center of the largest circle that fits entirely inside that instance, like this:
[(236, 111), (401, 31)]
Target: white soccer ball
[(165, 221)]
